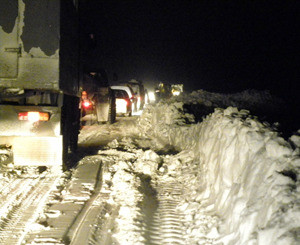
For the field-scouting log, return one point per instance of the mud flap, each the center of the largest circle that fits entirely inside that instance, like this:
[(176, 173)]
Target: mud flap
[(35, 151), (102, 111)]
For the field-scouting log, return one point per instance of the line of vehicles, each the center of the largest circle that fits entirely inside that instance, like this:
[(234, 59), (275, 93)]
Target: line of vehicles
[(120, 99), (44, 91)]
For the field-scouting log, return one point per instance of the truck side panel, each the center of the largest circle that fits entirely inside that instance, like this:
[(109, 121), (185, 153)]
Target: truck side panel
[(9, 39), (41, 51), (69, 48), (38, 75)]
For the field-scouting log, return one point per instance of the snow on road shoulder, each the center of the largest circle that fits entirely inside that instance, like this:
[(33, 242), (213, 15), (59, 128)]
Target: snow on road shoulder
[(240, 170), (100, 135)]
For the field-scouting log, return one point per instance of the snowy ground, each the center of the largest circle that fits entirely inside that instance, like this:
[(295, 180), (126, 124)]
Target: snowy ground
[(240, 170), (170, 177)]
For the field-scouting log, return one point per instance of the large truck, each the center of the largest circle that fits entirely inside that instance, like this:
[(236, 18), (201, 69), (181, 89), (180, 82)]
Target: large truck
[(39, 81)]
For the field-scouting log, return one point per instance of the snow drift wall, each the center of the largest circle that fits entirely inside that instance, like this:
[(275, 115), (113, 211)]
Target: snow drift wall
[(247, 174)]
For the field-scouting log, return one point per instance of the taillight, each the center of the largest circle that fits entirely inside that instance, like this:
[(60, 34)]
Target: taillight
[(87, 104), (33, 116)]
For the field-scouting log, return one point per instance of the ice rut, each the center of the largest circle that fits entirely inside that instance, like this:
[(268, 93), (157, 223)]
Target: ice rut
[(21, 205), (162, 221)]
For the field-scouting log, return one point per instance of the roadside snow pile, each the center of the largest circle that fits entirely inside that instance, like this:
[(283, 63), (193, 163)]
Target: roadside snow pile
[(248, 99), (241, 171)]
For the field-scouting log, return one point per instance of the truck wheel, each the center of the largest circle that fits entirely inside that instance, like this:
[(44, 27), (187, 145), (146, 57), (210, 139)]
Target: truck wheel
[(112, 111), (75, 127), (70, 117), (65, 148), (74, 133), (74, 142)]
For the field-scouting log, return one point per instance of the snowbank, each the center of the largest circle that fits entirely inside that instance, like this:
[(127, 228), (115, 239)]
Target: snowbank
[(250, 99), (241, 171)]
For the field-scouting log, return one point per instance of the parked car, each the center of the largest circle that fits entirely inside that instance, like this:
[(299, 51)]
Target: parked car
[(125, 100), (139, 90)]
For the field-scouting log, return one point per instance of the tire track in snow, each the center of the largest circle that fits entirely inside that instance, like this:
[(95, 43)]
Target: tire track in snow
[(168, 218), (11, 193), (155, 219), (25, 202), (79, 205), (84, 221), (161, 222)]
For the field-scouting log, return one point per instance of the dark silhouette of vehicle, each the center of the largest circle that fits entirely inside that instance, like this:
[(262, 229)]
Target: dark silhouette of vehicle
[(162, 91), (124, 100), (138, 91), (97, 100)]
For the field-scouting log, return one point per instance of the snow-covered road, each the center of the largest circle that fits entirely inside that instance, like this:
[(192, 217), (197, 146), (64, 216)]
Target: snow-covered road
[(161, 178), (21, 200), (118, 196), (107, 199)]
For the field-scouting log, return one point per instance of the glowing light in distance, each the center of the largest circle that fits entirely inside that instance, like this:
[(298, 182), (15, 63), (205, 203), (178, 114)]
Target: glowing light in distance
[(176, 93), (151, 96)]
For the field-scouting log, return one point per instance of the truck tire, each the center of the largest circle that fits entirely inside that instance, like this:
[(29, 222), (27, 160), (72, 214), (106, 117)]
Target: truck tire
[(70, 122), (112, 110), (75, 131), (65, 136)]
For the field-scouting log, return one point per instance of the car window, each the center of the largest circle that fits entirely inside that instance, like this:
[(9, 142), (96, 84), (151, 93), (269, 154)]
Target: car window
[(121, 94)]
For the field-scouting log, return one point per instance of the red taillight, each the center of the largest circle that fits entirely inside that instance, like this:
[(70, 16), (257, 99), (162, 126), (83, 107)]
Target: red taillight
[(87, 104), (34, 116)]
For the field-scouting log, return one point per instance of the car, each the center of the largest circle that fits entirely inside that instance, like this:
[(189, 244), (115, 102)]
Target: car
[(125, 100), (138, 91)]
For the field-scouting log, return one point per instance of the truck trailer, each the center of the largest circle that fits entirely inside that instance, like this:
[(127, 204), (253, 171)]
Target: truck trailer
[(39, 81)]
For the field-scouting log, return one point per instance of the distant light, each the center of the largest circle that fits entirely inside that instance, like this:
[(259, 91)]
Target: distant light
[(176, 93), (151, 96)]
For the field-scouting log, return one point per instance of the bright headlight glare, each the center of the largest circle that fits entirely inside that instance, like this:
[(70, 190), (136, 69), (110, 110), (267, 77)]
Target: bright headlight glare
[(151, 96)]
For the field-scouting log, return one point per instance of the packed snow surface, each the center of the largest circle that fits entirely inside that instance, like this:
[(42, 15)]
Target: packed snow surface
[(235, 167), (241, 178), (235, 179)]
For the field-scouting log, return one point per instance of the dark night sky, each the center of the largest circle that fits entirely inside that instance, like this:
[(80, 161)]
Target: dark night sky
[(222, 46)]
